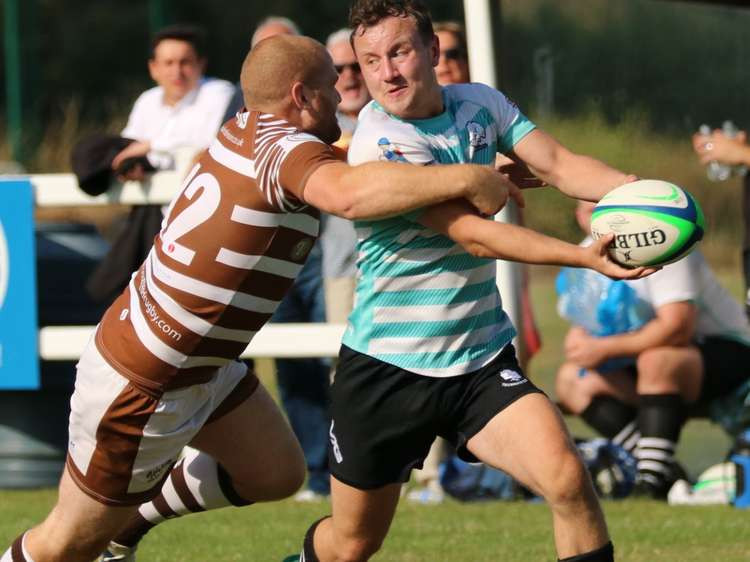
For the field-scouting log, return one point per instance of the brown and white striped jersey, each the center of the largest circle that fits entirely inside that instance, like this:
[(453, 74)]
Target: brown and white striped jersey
[(231, 244)]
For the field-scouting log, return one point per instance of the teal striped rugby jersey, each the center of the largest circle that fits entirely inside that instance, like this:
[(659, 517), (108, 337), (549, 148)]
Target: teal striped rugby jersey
[(422, 302)]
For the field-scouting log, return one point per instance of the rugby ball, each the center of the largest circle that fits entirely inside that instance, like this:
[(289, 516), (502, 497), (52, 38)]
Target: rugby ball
[(654, 222)]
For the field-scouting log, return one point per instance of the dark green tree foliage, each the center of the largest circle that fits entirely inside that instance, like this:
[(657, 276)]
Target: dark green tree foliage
[(677, 63)]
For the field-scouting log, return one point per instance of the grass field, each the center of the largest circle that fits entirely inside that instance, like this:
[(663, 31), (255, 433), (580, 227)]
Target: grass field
[(643, 531)]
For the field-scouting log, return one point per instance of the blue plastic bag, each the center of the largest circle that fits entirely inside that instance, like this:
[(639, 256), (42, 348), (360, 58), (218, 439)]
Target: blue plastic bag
[(600, 305)]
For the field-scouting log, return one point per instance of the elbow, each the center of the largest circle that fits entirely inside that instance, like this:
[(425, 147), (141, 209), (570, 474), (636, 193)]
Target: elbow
[(475, 248)]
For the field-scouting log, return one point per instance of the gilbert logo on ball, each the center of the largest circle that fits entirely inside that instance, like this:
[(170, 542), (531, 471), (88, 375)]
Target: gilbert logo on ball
[(654, 222)]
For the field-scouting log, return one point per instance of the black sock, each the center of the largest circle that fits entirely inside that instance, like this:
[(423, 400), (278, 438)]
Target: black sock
[(608, 415), (660, 419), (604, 554), (308, 547)]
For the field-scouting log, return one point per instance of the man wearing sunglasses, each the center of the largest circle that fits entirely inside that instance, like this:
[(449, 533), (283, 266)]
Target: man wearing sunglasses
[(453, 65)]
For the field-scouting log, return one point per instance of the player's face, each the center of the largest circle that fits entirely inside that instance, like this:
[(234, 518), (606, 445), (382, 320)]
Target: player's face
[(350, 85), (452, 67), (398, 67), (320, 115), (175, 67)]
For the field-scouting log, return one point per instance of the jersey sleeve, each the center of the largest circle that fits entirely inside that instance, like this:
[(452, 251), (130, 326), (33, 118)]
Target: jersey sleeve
[(512, 125), (283, 172), (676, 282)]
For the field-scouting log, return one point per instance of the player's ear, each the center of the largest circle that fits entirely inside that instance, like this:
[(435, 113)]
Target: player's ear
[(435, 49), (300, 95)]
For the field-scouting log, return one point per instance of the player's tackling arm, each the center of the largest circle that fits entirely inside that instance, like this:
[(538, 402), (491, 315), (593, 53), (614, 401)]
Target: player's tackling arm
[(379, 189), (490, 239), (576, 175)]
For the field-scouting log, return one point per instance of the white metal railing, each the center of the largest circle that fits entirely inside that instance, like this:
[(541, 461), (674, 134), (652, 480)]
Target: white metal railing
[(67, 342)]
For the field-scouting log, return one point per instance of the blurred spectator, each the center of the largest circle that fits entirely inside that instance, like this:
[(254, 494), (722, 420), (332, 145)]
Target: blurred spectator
[(453, 65), (733, 151), (338, 238), (182, 112), (694, 349), (303, 383), (268, 27), (185, 109)]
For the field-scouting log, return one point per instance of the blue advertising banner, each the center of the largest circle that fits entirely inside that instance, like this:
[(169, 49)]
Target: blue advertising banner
[(19, 364)]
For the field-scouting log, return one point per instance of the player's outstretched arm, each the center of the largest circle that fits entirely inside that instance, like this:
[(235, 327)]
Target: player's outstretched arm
[(576, 175), (490, 239), (379, 189)]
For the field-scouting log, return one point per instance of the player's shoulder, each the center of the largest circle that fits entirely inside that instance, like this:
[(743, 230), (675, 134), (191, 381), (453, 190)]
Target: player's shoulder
[(151, 97), (217, 86), (376, 127), (473, 91)]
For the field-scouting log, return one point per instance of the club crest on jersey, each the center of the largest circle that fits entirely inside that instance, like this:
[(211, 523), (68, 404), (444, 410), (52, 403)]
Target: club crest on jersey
[(477, 137), (389, 151), (511, 378), (301, 249), (241, 118)]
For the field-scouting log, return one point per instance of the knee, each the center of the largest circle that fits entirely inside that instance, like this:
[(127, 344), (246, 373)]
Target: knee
[(569, 483), (275, 482), (567, 385), (654, 369), (357, 549), (284, 481)]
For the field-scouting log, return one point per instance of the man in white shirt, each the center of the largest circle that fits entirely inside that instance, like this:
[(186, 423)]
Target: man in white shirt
[(184, 109)]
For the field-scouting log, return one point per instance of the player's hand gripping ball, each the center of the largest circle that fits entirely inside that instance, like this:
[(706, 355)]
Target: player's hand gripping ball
[(654, 223)]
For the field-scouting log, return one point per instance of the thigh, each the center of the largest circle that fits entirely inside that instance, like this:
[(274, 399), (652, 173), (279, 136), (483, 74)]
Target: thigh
[(725, 365), (253, 442), (527, 439), (618, 384), (362, 514), (481, 395)]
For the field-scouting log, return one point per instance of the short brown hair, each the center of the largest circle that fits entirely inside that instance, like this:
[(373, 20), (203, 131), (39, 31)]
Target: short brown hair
[(194, 35), (367, 13)]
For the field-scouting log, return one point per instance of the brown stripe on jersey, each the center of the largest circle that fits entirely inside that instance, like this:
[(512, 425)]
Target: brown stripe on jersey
[(213, 347), (118, 343), (117, 439), (293, 178), (205, 226), (183, 491), (16, 550), (287, 245)]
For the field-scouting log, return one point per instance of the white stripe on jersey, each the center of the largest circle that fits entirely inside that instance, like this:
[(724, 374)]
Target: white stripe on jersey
[(266, 264), (158, 347), (290, 142), (444, 280), (245, 215), (378, 346), (419, 255), (211, 292), (302, 223), (426, 312), (192, 322), (232, 160)]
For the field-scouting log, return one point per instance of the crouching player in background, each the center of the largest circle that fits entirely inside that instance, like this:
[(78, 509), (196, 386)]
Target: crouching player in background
[(694, 349)]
